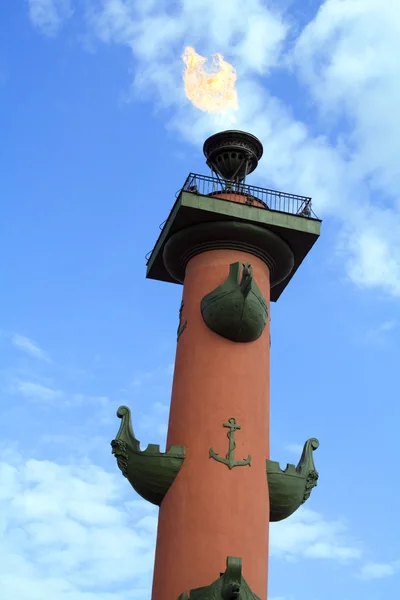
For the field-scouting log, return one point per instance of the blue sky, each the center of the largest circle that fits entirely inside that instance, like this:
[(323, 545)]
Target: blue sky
[(96, 138)]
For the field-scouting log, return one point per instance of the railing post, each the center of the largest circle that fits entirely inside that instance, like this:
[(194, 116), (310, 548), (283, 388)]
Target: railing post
[(272, 199)]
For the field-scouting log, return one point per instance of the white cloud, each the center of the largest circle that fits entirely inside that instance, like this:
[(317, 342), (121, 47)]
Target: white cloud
[(307, 534), (295, 449), (157, 376), (30, 347), (379, 335), (346, 58), (148, 387), (47, 395), (49, 15), (67, 533), (156, 420), (36, 391), (378, 570), (78, 444), (78, 532)]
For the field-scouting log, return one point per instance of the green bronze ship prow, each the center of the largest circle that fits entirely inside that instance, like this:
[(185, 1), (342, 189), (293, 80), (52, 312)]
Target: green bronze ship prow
[(290, 488), (229, 586), (236, 310), (150, 472)]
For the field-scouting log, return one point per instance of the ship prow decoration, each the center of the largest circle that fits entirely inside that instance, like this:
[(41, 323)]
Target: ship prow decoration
[(236, 310), (229, 586), (291, 487), (150, 472)]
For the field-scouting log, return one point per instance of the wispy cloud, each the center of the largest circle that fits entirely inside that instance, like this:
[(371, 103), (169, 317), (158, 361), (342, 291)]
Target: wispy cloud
[(156, 375), (49, 15), (294, 449), (156, 419), (66, 533), (76, 443), (379, 335), (28, 346), (342, 60), (36, 392), (373, 570), (87, 528), (45, 395), (361, 92), (307, 534), (147, 387)]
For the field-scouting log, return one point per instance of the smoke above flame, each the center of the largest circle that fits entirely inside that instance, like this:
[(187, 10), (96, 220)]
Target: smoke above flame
[(210, 89)]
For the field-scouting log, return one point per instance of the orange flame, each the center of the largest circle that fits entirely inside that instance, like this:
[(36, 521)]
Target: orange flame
[(211, 90)]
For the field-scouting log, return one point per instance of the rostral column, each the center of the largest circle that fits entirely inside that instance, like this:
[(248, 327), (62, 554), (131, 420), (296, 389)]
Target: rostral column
[(234, 247)]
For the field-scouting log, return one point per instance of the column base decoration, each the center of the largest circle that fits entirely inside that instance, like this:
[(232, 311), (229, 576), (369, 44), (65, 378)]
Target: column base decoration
[(230, 585), (150, 472), (289, 489)]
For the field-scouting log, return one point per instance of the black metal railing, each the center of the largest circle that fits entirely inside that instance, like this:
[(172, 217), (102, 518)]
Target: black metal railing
[(252, 195)]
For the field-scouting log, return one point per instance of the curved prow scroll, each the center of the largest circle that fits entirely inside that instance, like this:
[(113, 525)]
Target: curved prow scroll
[(229, 586), (290, 488), (150, 472)]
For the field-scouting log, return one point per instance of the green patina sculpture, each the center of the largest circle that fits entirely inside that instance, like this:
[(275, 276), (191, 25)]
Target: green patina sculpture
[(150, 472), (236, 310), (229, 586), (181, 326), (229, 459), (290, 488)]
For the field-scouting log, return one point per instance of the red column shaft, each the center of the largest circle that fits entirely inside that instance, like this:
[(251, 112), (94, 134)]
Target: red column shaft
[(212, 512)]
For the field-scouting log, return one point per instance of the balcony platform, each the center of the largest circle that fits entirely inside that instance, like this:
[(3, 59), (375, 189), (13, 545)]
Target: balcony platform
[(197, 203)]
